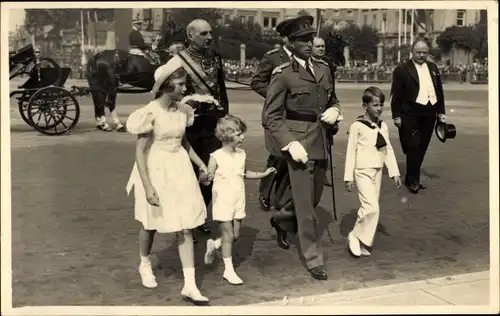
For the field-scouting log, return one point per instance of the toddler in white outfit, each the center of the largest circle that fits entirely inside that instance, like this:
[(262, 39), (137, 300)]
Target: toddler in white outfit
[(226, 168)]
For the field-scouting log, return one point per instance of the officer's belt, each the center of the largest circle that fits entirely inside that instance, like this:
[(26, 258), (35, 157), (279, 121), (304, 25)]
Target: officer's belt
[(304, 117)]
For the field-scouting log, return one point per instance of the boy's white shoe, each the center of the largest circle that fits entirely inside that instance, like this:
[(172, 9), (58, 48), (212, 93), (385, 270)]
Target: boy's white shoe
[(354, 245), (147, 277), (232, 277), (365, 252), (209, 254)]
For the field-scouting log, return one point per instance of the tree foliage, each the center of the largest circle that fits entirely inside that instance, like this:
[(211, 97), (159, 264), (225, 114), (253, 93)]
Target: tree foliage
[(464, 37), (183, 16), (362, 41), (36, 19)]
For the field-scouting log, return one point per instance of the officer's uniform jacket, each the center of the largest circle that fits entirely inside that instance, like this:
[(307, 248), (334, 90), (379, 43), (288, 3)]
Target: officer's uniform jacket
[(136, 40), (294, 102), (271, 60)]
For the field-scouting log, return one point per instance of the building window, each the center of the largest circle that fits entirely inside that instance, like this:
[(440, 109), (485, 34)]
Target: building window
[(460, 18), (336, 12), (274, 22), (365, 10), (365, 19), (243, 19), (266, 21), (350, 12), (227, 18), (374, 21), (251, 19)]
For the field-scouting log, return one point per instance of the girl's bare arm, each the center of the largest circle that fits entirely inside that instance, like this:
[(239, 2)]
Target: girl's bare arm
[(141, 148)]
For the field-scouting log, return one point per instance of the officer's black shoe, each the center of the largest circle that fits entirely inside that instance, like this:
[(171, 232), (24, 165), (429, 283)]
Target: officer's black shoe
[(319, 273), (413, 188), (264, 203), (204, 228), (282, 237)]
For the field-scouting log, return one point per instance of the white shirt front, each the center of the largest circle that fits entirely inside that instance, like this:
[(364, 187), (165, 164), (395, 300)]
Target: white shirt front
[(303, 63), (362, 153), (426, 93)]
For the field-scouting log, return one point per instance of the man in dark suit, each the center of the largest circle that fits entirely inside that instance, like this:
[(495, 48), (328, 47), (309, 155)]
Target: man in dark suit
[(417, 101), (136, 42), (298, 106), (259, 83)]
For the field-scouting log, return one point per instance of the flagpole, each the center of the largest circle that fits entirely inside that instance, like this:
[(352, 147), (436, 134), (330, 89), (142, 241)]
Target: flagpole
[(404, 25), (82, 45), (399, 35), (412, 28)]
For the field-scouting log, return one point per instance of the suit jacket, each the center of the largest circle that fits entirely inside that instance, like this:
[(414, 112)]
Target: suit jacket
[(271, 60), (405, 88), (136, 40), (295, 91)]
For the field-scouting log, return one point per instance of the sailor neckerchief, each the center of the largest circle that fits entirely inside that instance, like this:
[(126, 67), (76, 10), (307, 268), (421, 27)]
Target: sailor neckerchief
[(381, 143)]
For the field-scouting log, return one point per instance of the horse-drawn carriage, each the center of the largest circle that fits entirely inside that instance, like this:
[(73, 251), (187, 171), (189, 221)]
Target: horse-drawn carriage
[(43, 101)]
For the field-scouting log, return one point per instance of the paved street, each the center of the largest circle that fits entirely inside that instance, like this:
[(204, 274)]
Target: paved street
[(74, 235)]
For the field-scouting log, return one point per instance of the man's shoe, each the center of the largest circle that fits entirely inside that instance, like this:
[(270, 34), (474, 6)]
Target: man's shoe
[(282, 237), (264, 203), (319, 273), (413, 188), (204, 228), (422, 187)]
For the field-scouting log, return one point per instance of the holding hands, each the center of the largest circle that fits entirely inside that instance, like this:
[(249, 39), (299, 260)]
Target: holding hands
[(270, 171)]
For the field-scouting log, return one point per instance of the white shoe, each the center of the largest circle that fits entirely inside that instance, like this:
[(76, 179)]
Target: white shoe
[(209, 254), (232, 278), (365, 252), (194, 295), (354, 245), (147, 277)]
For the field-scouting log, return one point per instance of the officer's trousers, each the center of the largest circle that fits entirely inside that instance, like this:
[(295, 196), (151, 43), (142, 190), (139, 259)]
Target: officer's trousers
[(368, 183), (307, 182)]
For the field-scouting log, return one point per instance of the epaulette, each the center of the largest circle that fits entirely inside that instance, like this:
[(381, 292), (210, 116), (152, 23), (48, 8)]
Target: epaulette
[(321, 61), (272, 51), (280, 68)]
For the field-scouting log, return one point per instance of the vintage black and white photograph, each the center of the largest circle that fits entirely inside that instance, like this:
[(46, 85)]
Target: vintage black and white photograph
[(250, 155)]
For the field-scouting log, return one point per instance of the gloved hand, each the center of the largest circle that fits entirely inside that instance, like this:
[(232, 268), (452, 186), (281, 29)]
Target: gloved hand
[(442, 118), (297, 151), (331, 115)]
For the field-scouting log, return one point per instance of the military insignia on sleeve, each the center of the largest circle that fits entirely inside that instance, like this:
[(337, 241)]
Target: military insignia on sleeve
[(280, 68)]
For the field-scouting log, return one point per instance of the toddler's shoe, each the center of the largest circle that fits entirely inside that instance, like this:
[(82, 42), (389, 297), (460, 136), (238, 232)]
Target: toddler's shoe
[(147, 277), (209, 254), (365, 252)]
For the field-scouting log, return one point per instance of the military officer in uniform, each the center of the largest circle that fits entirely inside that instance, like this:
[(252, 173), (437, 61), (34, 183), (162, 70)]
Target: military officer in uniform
[(298, 109), (259, 83), (136, 41)]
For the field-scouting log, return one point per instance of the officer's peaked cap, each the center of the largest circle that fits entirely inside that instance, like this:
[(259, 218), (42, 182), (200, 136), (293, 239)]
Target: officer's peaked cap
[(298, 26)]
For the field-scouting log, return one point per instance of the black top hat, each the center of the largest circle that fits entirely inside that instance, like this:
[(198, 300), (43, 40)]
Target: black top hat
[(445, 131), (299, 26), (178, 37)]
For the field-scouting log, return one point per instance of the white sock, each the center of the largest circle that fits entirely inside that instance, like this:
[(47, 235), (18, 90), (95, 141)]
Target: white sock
[(189, 279), (218, 243), (228, 263), (145, 259)]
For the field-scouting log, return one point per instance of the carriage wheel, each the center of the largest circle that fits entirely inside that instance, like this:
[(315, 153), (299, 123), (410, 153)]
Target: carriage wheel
[(47, 62), (23, 107), (53, 111)]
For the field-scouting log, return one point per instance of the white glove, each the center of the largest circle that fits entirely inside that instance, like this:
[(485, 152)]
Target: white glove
[(331, 115), (297, 151), (442, 118)]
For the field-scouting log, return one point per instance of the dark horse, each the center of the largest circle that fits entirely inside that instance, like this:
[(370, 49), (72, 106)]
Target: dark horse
[(109, 70)]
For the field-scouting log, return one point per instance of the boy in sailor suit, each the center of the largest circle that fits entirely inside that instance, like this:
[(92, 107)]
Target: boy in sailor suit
[(368, 149)]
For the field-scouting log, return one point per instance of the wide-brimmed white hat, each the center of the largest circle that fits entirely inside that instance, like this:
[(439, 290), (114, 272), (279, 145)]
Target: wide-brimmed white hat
[(164, 72)]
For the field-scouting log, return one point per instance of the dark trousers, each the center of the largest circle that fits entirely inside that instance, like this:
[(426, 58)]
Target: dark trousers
[(415, 135), (204, 145), (266, 184), (306, 183)]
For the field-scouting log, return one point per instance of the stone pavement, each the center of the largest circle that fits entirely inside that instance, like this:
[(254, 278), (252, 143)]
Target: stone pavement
[(457, 290)]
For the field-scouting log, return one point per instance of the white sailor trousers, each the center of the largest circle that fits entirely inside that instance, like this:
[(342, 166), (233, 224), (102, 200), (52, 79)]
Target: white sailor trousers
[(368, 183)]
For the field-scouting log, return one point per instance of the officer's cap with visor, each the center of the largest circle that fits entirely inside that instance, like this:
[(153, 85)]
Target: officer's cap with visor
[(297, 27)]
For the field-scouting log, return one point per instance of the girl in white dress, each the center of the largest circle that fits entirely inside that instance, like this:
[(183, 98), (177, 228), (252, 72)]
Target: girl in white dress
[(226, 168), (166, 190)]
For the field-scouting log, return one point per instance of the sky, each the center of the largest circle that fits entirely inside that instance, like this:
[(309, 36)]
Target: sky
[(16, 17)]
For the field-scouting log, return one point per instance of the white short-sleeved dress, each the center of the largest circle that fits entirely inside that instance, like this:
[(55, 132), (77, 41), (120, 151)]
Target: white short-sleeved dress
[(170, 170), (228, 191)]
